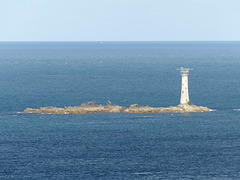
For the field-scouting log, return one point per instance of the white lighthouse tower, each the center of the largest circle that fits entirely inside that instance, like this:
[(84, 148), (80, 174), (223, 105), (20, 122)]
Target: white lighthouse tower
[(184, 90)]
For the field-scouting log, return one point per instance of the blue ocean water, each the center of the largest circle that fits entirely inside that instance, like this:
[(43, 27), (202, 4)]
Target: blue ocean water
[(119, 145)]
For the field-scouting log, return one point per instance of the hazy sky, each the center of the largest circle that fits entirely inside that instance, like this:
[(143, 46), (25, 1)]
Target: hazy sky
[(119, 20)]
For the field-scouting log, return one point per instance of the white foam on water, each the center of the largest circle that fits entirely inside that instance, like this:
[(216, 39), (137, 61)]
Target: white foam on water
[(212, 110)]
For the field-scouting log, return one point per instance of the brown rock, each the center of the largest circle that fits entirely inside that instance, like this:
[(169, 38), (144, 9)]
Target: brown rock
[(93, 107)]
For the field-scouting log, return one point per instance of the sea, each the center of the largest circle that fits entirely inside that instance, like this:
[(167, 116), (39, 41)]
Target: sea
[(204, 145)]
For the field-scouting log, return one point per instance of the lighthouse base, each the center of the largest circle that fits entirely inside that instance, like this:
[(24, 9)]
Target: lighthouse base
[(190, 107)]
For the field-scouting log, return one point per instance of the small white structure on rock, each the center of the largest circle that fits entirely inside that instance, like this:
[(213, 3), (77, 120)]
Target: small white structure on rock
[(184, 90)]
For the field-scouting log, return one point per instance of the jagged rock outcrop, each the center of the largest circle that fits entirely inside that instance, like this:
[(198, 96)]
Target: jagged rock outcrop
[(93, 107), (181, 108), (89, 107), (109, 103)]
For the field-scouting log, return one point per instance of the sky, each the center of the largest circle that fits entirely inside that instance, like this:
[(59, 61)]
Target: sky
[(120, 20)]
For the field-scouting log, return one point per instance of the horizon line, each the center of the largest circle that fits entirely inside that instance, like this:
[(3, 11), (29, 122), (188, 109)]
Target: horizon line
[(128, 41)]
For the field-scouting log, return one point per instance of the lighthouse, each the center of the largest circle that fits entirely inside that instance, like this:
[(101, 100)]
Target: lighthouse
[(184, 90)]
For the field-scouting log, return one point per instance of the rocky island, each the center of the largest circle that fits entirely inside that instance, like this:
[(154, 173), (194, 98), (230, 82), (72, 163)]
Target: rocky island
[(85, 108), (185, 105), (93, 107), (181, 108)]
